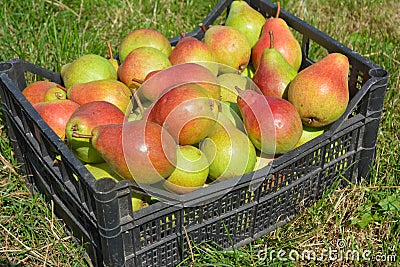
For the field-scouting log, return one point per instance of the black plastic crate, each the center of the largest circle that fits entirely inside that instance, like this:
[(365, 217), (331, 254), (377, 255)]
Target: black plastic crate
[(230, 213)]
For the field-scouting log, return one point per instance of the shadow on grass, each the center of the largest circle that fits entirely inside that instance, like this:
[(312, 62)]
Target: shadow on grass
[(6, 263)]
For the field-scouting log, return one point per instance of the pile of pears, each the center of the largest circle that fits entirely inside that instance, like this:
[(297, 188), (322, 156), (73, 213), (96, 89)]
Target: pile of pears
[(203, 111)]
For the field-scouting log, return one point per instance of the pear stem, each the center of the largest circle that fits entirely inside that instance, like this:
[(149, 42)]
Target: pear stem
[(238, 89), (61, 87), (137, 81), (278, 10), (110, 53), (203, 27), (78, 135), (271, 39), (138, 101)]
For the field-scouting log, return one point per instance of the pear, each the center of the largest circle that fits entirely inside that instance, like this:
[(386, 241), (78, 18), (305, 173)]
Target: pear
[(263, 160), (89, 67), (228, 82), (81, 123), (144, 37), (320, 92), (42, 91), (139, 63), (188, 72), (231, 111), (103, 170), (191, 170), (246, 19), (229, 46), (273, 124), (274, 73), (64, 68), (56, 113), (249, 71), (284, 41), (55, 93), (228, 150), (137, 113), (112, 91), (308, 134), (190, 49), (137, 150), (186, 111), (139, 201)]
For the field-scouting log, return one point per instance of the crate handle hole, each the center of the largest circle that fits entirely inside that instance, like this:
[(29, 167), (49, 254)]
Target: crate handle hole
[(379, 73), (105, 185)]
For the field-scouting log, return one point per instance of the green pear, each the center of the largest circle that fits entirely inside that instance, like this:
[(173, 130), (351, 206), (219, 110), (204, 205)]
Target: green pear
[(55, 93), (103, 170), (263, 160), (137, 113), (87, 68), (228, 82), (229, 46), (249, 71), (246, 19), (274, 73), (191, 170), (308, 134), (231, 111), (144, 37), (64, 68), (229, 151)]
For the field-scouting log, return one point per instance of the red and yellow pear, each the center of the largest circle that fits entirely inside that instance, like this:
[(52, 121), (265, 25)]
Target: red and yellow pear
[(139, 63), (56, 114), (138, 150), (274, 73), (188, 72), (190, 49), (284, 41), (272, 124), (42, 91), (320, 92), (229, 46), (186, 111), (82, 122), (112, 91)]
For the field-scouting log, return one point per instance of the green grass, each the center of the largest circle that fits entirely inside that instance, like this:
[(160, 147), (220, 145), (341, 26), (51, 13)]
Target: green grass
[(365, 217)]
